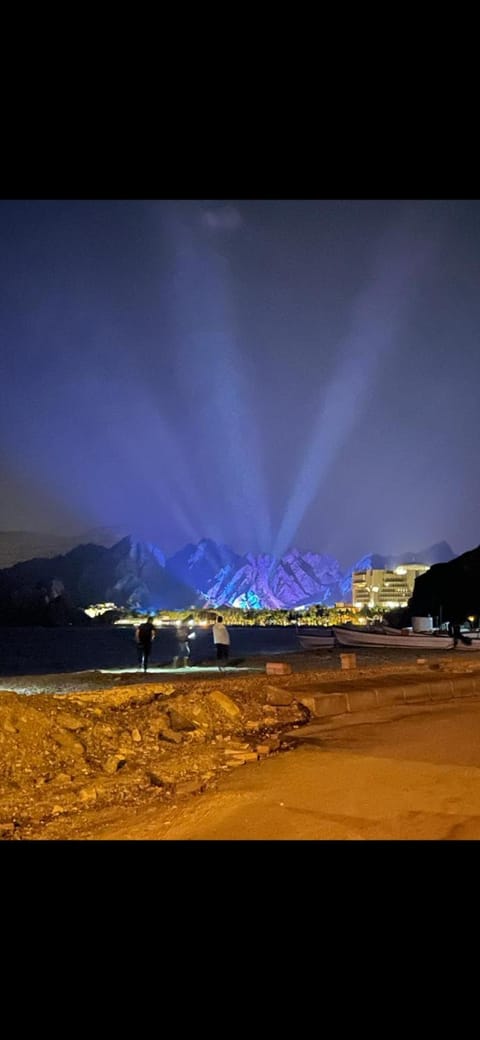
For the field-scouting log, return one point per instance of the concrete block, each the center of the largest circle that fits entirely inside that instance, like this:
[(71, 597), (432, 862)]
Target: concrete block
[(417, 691), (361, 700), (441, 690), (278, 668), (465, 686), (325, 704), (389, 695)]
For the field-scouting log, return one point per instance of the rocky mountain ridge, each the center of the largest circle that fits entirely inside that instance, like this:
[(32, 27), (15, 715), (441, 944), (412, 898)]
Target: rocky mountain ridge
[(136, 573)]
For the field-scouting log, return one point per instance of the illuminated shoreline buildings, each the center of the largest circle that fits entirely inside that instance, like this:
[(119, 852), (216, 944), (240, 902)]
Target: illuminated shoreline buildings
[(385, 588)]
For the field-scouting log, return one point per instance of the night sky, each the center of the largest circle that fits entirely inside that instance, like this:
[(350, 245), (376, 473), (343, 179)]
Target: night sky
[(264, 373)]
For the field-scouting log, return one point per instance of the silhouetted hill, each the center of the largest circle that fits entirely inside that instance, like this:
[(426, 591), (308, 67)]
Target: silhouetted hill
[(19, 546), (449, 591), (128, 573)]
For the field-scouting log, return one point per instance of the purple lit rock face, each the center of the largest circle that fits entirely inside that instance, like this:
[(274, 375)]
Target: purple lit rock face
[(135, 573), (264, 581)]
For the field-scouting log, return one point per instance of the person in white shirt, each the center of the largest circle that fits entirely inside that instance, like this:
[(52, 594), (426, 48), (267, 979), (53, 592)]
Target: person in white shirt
[(221, 640)]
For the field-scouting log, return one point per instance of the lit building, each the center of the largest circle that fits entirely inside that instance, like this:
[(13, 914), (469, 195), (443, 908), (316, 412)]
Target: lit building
[(385, 589), (97, 609)]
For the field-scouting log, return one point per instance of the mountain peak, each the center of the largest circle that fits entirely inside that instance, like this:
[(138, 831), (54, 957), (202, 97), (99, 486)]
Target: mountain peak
[(135, 570)]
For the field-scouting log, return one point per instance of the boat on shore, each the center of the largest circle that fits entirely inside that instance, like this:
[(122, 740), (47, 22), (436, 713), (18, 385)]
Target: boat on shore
[(324, 639), (356, 636), (363, 637)]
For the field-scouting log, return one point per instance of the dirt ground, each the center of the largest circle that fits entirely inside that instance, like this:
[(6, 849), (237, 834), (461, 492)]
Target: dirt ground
[(84, 751)]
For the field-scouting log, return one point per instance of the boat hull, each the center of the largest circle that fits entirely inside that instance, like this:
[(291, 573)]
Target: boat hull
[(317, 642), (412, 641)]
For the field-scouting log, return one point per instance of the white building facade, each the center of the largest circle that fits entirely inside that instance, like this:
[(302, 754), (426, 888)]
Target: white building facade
[(385, 589)]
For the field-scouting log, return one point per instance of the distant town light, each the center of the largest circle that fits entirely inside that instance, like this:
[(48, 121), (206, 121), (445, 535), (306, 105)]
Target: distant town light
[(97, 609)]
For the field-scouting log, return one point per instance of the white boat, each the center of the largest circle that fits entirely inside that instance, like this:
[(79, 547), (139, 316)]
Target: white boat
[(409, 641), (324, 639), (403, 641)]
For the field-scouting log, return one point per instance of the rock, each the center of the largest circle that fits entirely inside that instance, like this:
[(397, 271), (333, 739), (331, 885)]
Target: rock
[(435, 666), (114, 763), (136, 736), (122, 697), (57, 810), (6, 828), (87, 794), (244, 756), (270, 720), (224, 703), (279, 697), (9, 727), (169, 734), (189, 786), (179, 722), (65, 740), (61, 778), (67, 721)]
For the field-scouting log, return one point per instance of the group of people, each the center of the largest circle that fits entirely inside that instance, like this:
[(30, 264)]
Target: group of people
[(145, 634)]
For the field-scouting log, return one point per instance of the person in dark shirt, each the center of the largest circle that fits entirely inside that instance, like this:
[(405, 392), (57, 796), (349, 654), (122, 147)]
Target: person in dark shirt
[(144, 636)]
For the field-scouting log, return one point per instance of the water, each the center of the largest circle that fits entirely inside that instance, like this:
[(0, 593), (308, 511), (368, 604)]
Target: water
[(43, 651)]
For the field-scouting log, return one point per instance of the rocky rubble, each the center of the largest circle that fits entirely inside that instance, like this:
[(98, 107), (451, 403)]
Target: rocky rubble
[(68, 759), (63, 755)]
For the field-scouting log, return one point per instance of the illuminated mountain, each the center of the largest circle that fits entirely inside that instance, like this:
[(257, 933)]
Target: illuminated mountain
[(294, 580), (198, 565), (133, 572)]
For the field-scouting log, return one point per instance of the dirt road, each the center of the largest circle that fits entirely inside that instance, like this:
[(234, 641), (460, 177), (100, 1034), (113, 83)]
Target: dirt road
[(406, 773)]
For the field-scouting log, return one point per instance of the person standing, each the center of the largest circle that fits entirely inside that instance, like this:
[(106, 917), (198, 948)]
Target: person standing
[(183, 648), (221, 639), (144, 636)]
